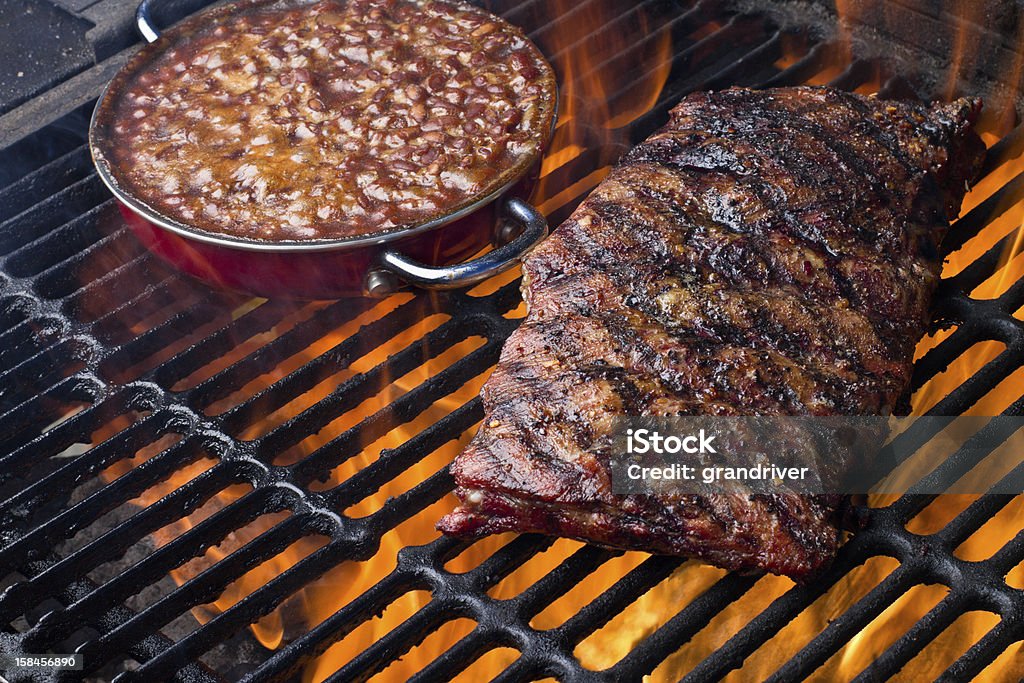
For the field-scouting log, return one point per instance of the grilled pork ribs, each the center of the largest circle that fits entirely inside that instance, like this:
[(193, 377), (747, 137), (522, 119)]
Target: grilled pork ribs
[(767, 252)]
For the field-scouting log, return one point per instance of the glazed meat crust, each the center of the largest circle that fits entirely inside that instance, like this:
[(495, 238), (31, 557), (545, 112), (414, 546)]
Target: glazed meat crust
[(766, 253)]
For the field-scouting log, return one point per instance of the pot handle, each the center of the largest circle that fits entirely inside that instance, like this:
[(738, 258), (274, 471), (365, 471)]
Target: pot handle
[(144, 22), (393, 268)]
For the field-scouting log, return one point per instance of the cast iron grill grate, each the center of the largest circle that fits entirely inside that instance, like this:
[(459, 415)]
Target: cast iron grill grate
[(106, 353)]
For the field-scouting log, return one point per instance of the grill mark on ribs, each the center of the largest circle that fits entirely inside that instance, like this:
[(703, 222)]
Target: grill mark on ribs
[(767, 252), (703, 295)]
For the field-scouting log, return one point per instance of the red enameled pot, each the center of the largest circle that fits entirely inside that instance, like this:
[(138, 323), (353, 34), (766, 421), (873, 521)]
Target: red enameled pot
[(427, 255)]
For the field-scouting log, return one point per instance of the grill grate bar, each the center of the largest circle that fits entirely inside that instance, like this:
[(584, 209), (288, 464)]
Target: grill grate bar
[(923, 632), (287, 661), (55, 485), (457, 658), (839, 631), (491, 571), (303, 379), (21, 342), (14, 308), (262, 319), (49, 214), (261, 361), (390, 464), (689, 621), (804, 68), (1007, 148), (415, 500), (415, 571), (993, 207), (560, 580), (963, 461), (246, 611), (147, 647), (69, 521), (975, 515), (58, 625), (402, 410), (979, 270), (361, 387), (678, 27), (939, 357), (1005, 559), (44, 182), (976, 386), (50, 249), (750, 68), (64, 276), (526, 669), (17, 422), (407, 635), (196, 314), (90, 556), (688, 73), (82, 302), (79, 303), (1012, 299), (1005, 634), (854, 75), (549, 32), (910, 504), (203, 588), (19, 461), (40, 372), (616, 598)]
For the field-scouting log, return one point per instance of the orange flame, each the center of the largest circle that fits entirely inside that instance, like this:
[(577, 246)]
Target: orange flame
[(594, 111)]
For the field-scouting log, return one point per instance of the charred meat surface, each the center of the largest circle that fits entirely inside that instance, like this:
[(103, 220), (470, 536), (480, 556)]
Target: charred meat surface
[(767, 252)]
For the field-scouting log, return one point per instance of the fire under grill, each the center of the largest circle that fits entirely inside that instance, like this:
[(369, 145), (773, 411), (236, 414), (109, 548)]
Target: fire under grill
[(201, 486)]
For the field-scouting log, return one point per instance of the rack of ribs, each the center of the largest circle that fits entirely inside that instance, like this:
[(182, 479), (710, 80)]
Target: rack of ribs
[(766, 253)]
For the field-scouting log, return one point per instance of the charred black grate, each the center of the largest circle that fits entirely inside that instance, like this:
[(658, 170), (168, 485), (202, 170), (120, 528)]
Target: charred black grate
[(106, 353)]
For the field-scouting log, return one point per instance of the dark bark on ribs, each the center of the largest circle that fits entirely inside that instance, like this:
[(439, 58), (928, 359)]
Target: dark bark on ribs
[(766, 253)]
